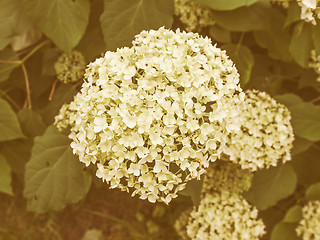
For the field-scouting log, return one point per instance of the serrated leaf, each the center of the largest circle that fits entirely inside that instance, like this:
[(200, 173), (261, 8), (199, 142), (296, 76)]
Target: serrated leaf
[(193, 190), (5, 177), (306, 165), (122, 20), (6, 55), (242, 58), (313, 192), (293, 215), (244, 19), (64, 22), (223, 5), (301, 43), (284, 231), (9, 124), (31, 122), (54, 176), (306, 121), (12, 21), (271, 185)]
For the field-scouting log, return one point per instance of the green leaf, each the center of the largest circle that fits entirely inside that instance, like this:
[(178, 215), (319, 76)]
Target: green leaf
[(244, 19), (9, 124), (243, 59), (293, 13), (223, 5), (288, 99), (308, 78), (284, 231), (92, 43), (31, 122), (17, 153), (275, 38), (5, 177), (301, 43), (64, 22), (193, 189), (313, 192), (122, 20), (306, 121), (316, 38), (6, 55), (54, 176), (12, 21), (300, 145), (220, 34), (271, 185), (293, 215), (306, 165)]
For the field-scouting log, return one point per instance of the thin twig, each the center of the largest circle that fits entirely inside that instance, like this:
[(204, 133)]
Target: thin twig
[(10, 100), (315, 100), (27, 84), (53, 88)]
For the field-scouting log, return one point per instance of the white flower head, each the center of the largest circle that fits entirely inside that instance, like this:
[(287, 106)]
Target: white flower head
[(309, 226), (193, 15), (310, 10), (265, 135), (224, 216), (147, 108)]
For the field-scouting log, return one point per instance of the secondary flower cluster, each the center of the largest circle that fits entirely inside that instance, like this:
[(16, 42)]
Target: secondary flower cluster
[(310, 10), (265, 135), (193, 15), (309, 226), (222, 213), (70, 68), (315, 63), (225, 216), (154, 115)]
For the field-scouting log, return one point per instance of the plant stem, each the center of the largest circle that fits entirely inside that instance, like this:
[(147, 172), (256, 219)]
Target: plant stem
[(27, 85), (315, 100), (25, 58), (10, 100)]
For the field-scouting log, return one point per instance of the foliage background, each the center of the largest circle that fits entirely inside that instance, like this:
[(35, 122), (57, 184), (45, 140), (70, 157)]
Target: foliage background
[(46, 193)]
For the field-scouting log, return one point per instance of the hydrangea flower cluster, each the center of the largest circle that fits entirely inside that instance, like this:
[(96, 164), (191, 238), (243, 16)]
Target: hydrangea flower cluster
[(309, 226), (225, 216), (310, 10), (154, 115), (193, 15), (266, 133), (226, 176), (70, 68), (315, 63)]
